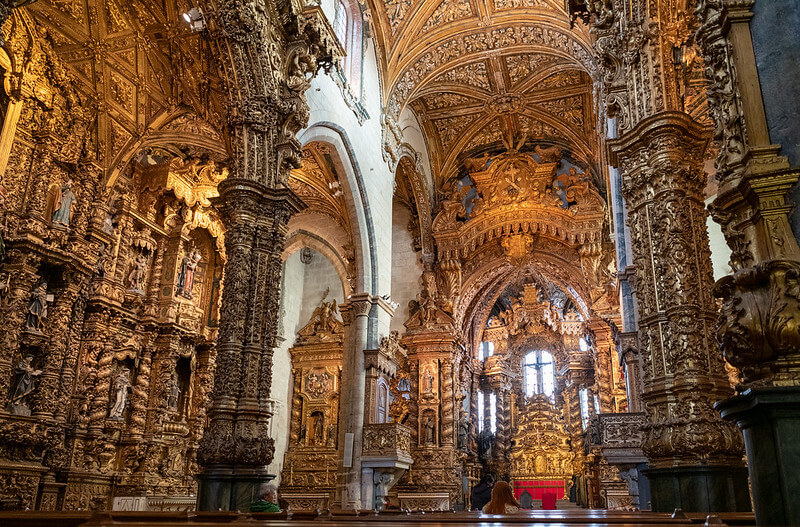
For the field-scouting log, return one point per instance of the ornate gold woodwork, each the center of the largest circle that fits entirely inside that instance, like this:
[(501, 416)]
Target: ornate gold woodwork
[(758, 322), (663, 181), (387, 440), (521, 211), (310, 460), (542, 444), (132, 267), (518, 194), (428, 399)]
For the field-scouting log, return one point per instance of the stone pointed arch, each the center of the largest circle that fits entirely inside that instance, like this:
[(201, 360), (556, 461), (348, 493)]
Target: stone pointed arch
[(356, 198)]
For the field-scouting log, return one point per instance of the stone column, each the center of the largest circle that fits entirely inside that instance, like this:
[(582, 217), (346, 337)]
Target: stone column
[(355, 313), (628, 349), (760, 316), (695, 457)]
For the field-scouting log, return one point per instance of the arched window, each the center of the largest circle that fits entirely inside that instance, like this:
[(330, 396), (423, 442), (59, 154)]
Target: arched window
[(347, 27), (583, 344), (584, 395), (340, 25), (539, 373), (486, 349), (492, 411)]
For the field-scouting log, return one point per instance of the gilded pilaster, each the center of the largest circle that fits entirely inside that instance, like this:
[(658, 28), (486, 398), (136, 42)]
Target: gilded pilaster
[(758, 327)]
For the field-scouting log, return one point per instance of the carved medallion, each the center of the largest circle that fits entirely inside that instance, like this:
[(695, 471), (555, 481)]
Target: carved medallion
[(318, 383)]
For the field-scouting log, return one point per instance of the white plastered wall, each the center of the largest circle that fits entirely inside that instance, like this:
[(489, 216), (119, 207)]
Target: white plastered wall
[(406, 267), (302, 287), (368, 185)]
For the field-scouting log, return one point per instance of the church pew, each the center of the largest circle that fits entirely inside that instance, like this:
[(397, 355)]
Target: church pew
[(44, 519), (730, 518), (580, 517), (499, 522)]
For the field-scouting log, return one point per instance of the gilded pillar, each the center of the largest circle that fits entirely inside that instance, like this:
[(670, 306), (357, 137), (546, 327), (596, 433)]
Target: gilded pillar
[(603, 365), (236, 447), (760, 315), (646, 54), (663, 181), (267, 64), (435, 356), (498, 376)]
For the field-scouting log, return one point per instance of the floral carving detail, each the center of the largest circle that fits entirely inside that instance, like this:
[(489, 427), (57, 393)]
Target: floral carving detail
[(759, 324)]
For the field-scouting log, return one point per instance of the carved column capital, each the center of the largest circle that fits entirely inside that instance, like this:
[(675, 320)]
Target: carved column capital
[(669, 146), (357, 305), (628, 346), (759, 324)]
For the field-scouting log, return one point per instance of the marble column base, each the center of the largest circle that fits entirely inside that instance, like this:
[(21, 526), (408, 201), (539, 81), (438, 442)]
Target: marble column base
[(229, 488), (770, 422), (701, 488)]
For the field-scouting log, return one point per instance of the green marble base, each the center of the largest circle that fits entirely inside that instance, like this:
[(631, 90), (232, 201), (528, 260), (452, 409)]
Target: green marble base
[(229, 488), (770, 422), (700, 488)]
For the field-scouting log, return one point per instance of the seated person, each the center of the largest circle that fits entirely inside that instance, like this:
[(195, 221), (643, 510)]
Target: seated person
[(268, 501), (503, 501), (482, 492)]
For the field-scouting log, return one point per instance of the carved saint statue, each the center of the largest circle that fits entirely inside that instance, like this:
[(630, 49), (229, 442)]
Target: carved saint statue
[(332, 435), (463, 433), (427, 383), (23, 386), (326, 313), (37, 308), (62, 200), (186, 276), (319, 429), (428, 432), (485, 440), (173, 392), (122, 385), (137, 276)]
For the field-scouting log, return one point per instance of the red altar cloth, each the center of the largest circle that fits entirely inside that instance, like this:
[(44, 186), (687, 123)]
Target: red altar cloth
[(537, 488)]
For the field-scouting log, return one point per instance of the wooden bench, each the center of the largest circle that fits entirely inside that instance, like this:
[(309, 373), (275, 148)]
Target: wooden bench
[(390, 518)]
